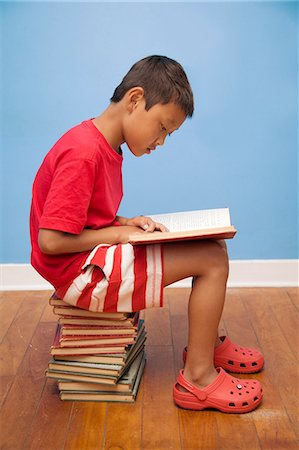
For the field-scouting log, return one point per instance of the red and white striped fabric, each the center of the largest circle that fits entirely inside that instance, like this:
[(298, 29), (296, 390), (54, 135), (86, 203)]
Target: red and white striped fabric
[(118, 278)]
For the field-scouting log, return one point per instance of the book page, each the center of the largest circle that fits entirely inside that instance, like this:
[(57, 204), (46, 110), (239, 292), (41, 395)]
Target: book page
[(194, 220)]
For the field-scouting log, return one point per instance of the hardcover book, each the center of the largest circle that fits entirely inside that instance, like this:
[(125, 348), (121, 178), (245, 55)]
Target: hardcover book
[(89, 321), (78, 330), (113, 394), (96, 356), (189, 225), (76, 373), (91, 349), (87, 341), (68, 310), (120, 358)]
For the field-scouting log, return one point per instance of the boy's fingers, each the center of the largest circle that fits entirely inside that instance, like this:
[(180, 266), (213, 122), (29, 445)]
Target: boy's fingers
[(161, 227), (156, 226), (149, 225)]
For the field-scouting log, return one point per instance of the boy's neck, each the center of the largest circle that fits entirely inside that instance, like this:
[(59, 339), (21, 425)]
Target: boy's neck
[(109, 123)]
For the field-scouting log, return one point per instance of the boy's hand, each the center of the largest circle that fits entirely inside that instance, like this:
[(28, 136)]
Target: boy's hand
[(125, 231), (146, 223)]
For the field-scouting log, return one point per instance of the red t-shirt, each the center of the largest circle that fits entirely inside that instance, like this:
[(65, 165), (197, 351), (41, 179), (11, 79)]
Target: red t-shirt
[(79, 185)]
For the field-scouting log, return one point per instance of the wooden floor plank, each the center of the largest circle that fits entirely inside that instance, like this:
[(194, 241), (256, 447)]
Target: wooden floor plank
[(124, 425), (160, 426), (276, 420), (34, 364), (18, 410), (19, 334), (159, 374), (49, 428), (86, 427), (237, 431), (240, 330), (157, 325), (123, 429), (10, 302), (160, 416), (293, 293), (198, 430), (37, 356), (262, 318), (48, 315), (287, 316), (5, 385), (178, 299), (30, 379)]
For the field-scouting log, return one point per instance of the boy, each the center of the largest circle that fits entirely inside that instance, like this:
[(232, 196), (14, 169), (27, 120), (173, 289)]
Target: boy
[(80, 245)]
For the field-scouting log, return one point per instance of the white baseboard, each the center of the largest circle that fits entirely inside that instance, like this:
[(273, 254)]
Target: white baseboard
[(243, 273)]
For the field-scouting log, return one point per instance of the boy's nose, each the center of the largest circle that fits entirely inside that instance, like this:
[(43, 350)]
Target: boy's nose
[(160, 140)]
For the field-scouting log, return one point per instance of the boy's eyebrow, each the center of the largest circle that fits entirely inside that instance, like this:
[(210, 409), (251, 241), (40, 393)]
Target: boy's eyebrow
[(170, 124)]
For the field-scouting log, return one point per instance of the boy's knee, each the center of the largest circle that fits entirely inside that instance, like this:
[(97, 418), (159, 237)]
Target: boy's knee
[(222, 244), (221, 261), (218, 263)]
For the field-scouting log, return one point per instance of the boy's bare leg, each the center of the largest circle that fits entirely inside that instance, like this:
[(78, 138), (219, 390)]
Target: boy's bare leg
[(207, 262), (218, 341)]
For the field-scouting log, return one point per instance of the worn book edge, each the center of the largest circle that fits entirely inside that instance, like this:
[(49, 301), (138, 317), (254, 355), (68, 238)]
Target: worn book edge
[(108, 396), (157, 236)]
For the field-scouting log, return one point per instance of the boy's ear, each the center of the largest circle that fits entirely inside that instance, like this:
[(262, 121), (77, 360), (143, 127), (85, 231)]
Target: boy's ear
[(134, 96)]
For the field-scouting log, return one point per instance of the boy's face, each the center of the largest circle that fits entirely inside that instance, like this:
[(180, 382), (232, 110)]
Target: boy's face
[(144, 130)]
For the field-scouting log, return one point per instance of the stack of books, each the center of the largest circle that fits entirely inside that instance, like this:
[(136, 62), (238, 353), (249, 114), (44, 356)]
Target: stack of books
[(97, 356)]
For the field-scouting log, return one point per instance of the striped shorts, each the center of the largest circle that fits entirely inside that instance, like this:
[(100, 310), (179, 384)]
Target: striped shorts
[(118, 278)]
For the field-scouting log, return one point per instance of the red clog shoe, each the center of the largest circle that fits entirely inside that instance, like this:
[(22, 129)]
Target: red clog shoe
[(234, 358), (225, 393)]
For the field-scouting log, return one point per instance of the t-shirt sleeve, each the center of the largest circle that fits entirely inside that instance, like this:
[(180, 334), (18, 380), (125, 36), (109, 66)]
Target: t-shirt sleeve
[(69, 196)]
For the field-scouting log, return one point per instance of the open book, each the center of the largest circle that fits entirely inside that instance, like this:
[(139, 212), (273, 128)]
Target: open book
[(189, 225)]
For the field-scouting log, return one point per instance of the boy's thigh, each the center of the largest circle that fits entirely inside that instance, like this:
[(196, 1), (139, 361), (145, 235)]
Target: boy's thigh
[(192, 258)]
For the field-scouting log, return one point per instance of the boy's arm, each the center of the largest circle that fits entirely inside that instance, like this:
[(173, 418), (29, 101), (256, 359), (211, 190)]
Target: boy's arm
[(54, 242), (122, 220)]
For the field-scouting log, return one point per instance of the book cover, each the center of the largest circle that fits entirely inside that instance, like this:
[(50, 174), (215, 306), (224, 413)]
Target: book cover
[(84, 341), (60, 375), (92, 369), (85, 387), (107, 378), (58, 303), (57, 349), (124, 384), (89, 321), (79, 330), (69, 310), (85, 368), (108, 396), (189, 225), (107, 358)]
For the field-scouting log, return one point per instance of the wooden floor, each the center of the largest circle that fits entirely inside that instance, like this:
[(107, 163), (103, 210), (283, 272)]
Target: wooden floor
[(33, 417)]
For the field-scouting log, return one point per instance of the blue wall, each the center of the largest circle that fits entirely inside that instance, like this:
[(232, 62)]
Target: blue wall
[(62, 61)]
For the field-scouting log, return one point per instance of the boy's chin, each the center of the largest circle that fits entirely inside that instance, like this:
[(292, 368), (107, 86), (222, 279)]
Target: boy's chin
[(138, 153)]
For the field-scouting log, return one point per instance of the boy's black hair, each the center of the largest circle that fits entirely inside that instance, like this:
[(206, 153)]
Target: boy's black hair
[(163, 80)]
